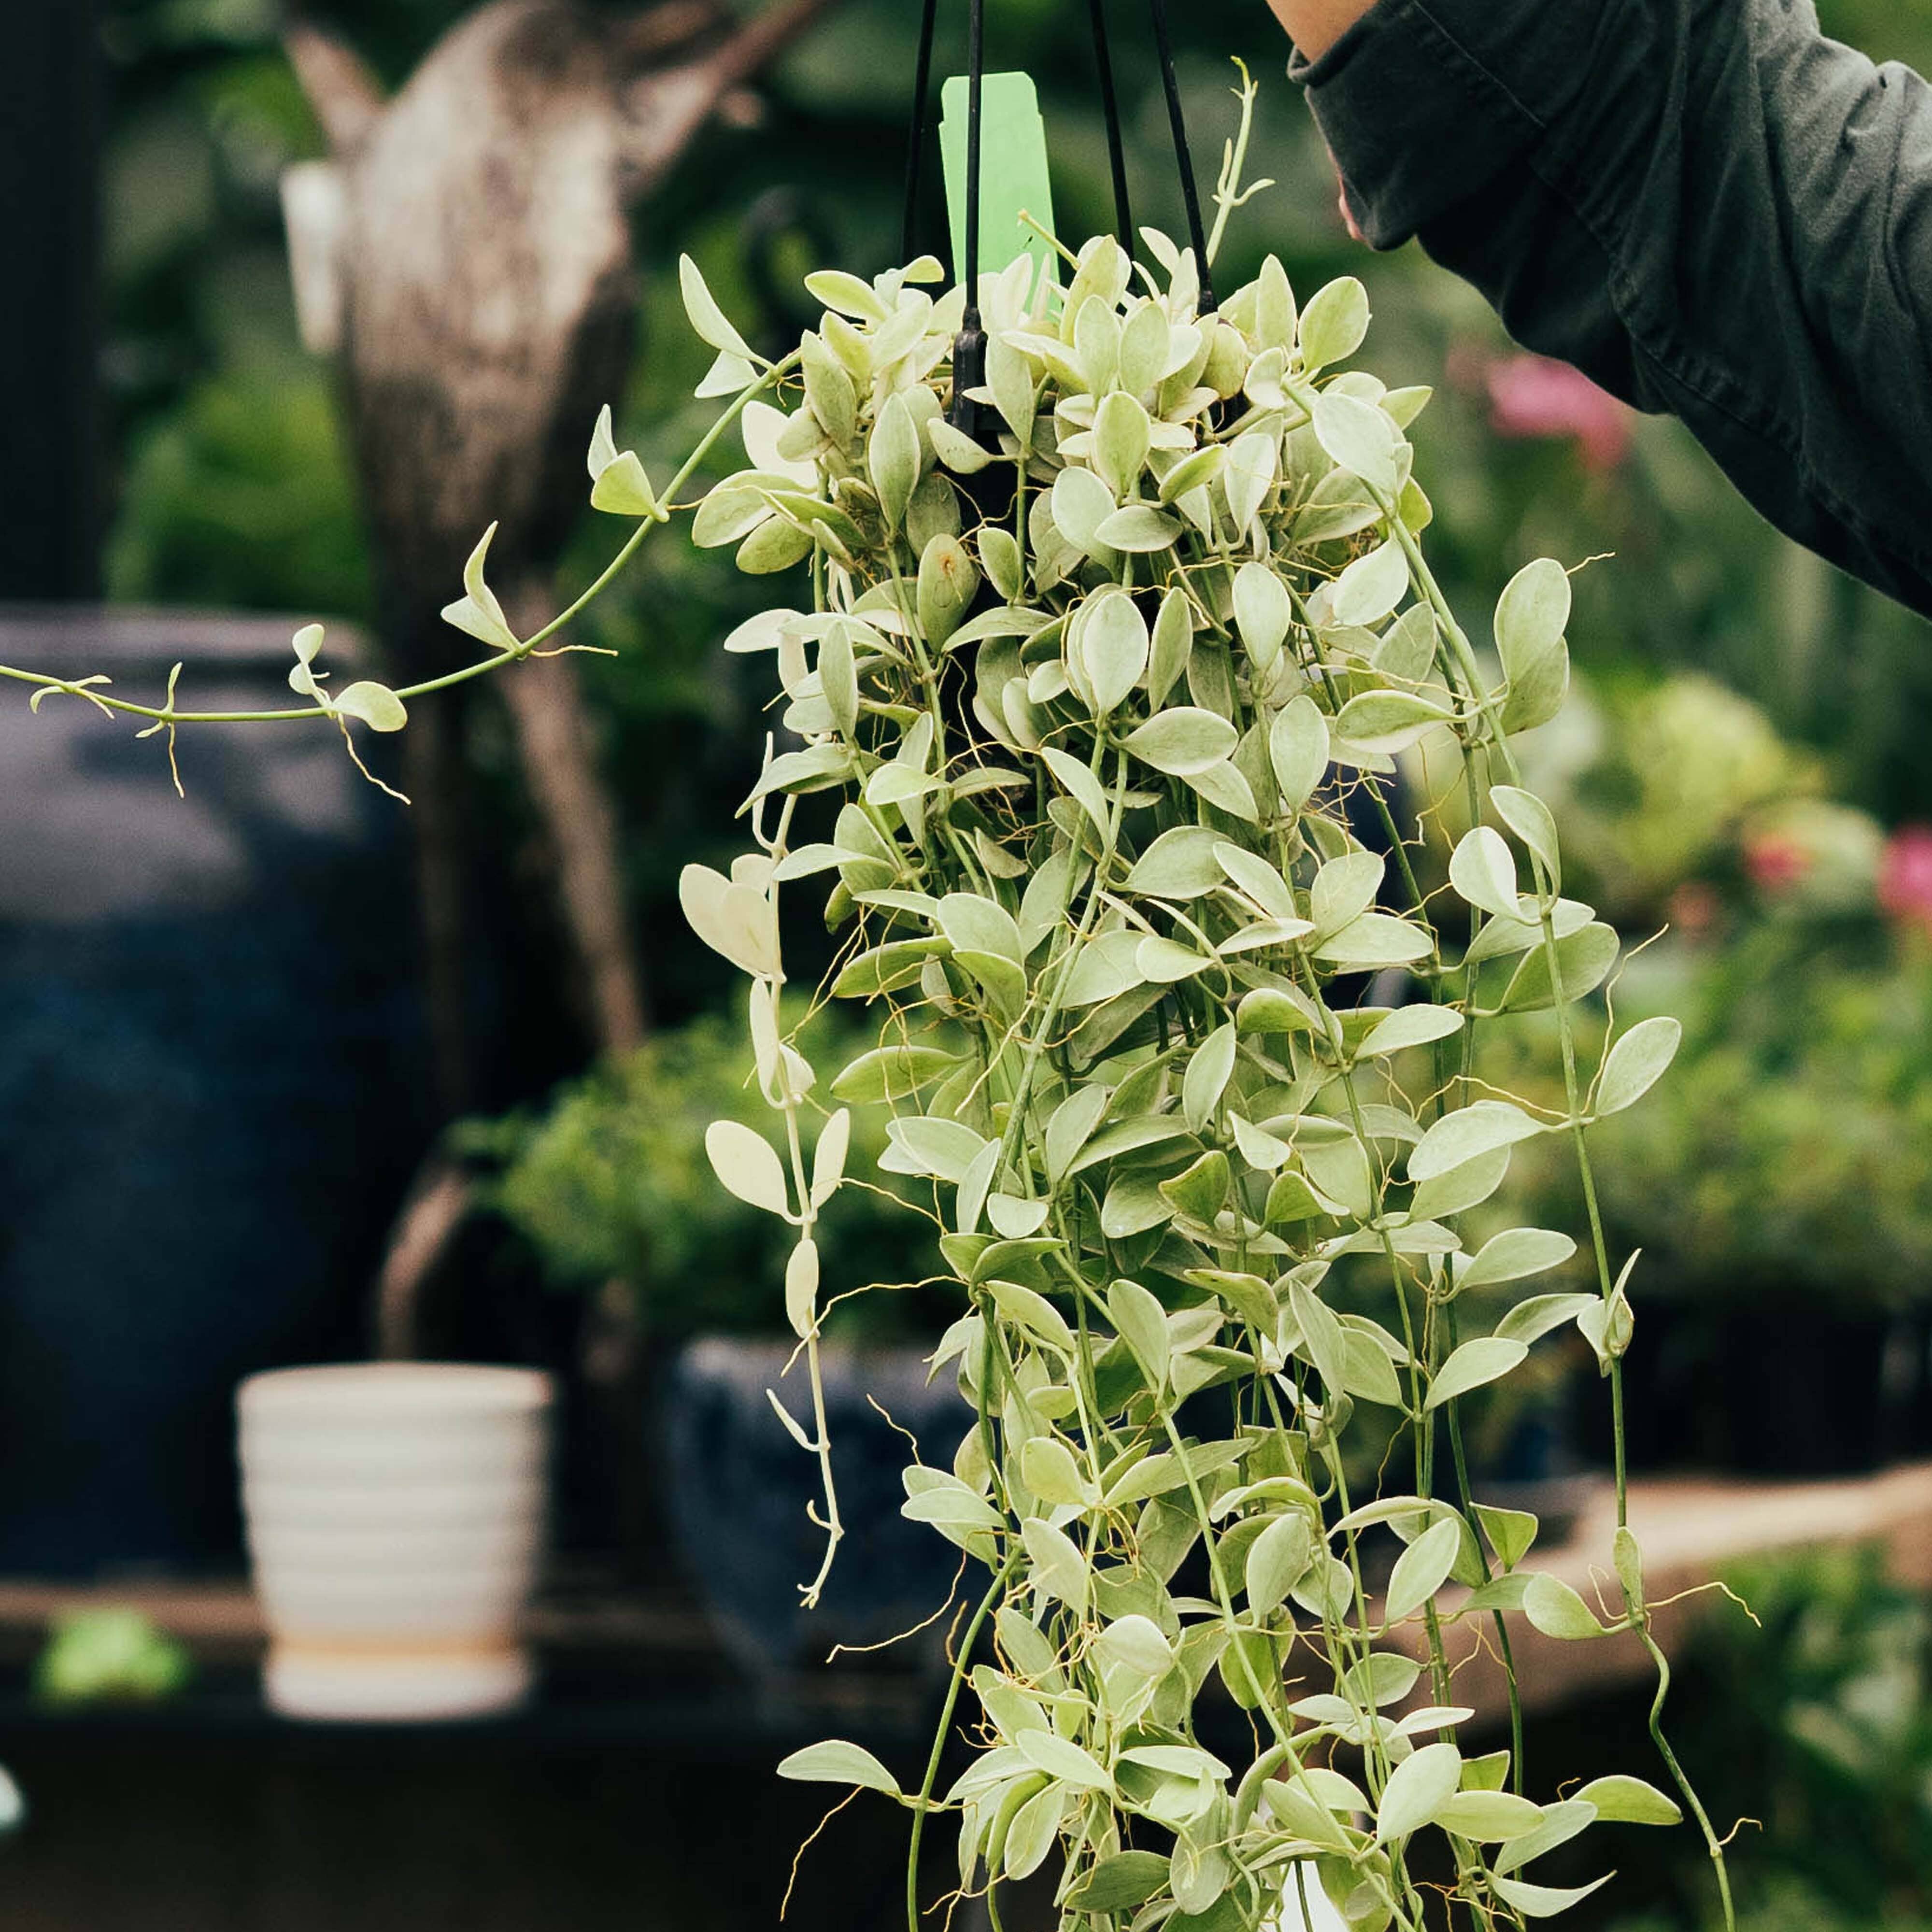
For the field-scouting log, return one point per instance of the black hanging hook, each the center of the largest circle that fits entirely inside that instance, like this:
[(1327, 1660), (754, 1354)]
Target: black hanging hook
[(969, 357), (969, 345), (1117, 155), (1196, 235), (922, 87)]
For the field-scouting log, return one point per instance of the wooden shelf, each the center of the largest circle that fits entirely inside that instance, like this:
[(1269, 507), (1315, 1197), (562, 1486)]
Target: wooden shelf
[(660, 1644), (221, 1622), (1691, 1529)]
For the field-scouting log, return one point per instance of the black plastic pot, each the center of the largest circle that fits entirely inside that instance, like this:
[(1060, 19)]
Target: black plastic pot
[(210, 1074), (739, 1487)]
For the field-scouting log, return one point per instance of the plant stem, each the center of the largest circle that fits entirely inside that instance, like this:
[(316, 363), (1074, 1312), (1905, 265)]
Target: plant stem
[(961, 1663), (171, 714)]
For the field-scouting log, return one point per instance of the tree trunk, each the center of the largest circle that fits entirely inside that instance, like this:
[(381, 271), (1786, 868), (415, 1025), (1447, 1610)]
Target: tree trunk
[(555, 743)]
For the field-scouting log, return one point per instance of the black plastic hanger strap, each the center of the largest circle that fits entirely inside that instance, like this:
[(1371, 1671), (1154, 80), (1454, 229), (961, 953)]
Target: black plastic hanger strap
[(969, 345), (922, 88), (975, 76), (1196, 234), (1116, 152)]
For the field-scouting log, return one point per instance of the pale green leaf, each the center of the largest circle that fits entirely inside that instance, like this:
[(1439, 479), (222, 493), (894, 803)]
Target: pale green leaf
[(1262, 611), (1030, 1835), (1062, 1761), (1514, 1254), (1208, 1072), (1459, 1137), (1140, 529), (1048, 1468), (892, 458), (1417, 1790), (1359, 438), (1082, 502), (728, 375), (1530, 1320), (1079, 783), (1333, 324), (1111, 640), (1555, 1610), (1489, 1817), (836, 1761), (707, 317), (801, 1289), (1422, 1569), (1369, 589), (1058, 1567), (1511, 1532), (1529, 818), (1277, 1560), (1180, 864), (1484, 872), (1471, 1366), (828, 1160), (1136, 1643), (1388, 721), (1635, 1064), (745, 1162), (1544, 1901), (477, 612), (1173, 645), (377, 705), (733, 919), (1407, 1026), (1142, 1323), (1298, 748), (1182, 742), (1621, 1799), (1120, 435)]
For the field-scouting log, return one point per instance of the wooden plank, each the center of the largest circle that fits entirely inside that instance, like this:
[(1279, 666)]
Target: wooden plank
[(1691, 1529), (221, 1622)]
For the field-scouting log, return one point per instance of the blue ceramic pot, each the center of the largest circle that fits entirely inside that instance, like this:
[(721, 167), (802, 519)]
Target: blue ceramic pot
[(739, 1487)]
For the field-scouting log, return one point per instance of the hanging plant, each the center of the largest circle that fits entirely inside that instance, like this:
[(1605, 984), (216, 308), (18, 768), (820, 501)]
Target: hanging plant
[(1106, 665), (1108, 660)]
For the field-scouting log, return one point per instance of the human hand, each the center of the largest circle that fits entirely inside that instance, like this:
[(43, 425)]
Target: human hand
[(1315, 26)]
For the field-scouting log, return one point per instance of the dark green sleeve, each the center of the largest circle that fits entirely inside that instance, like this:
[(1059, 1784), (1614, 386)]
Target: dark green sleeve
[(1706, 205)]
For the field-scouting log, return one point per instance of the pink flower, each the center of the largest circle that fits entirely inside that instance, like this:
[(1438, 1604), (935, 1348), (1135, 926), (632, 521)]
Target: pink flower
[(1905, 876), (1695, 910), (1776, 862), (1530, 396)]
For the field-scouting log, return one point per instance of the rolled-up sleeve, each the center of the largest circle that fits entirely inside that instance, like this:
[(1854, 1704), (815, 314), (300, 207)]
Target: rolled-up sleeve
[(1707, 205)]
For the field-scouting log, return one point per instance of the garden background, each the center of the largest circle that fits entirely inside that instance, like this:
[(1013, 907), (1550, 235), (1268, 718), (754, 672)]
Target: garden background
[(1743, 768)]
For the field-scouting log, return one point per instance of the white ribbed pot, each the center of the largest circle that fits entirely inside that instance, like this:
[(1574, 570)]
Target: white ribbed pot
[(395, 1518)]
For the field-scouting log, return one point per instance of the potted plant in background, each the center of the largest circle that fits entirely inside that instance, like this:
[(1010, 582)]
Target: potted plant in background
[(611, 1187)]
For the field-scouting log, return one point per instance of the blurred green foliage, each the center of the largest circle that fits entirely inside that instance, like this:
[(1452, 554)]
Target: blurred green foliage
[(1790, 1148), (115, 1654), (1813, 1722)]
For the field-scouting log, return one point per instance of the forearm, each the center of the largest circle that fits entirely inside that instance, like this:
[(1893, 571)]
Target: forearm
[(1704, 204), (1315, 26)]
